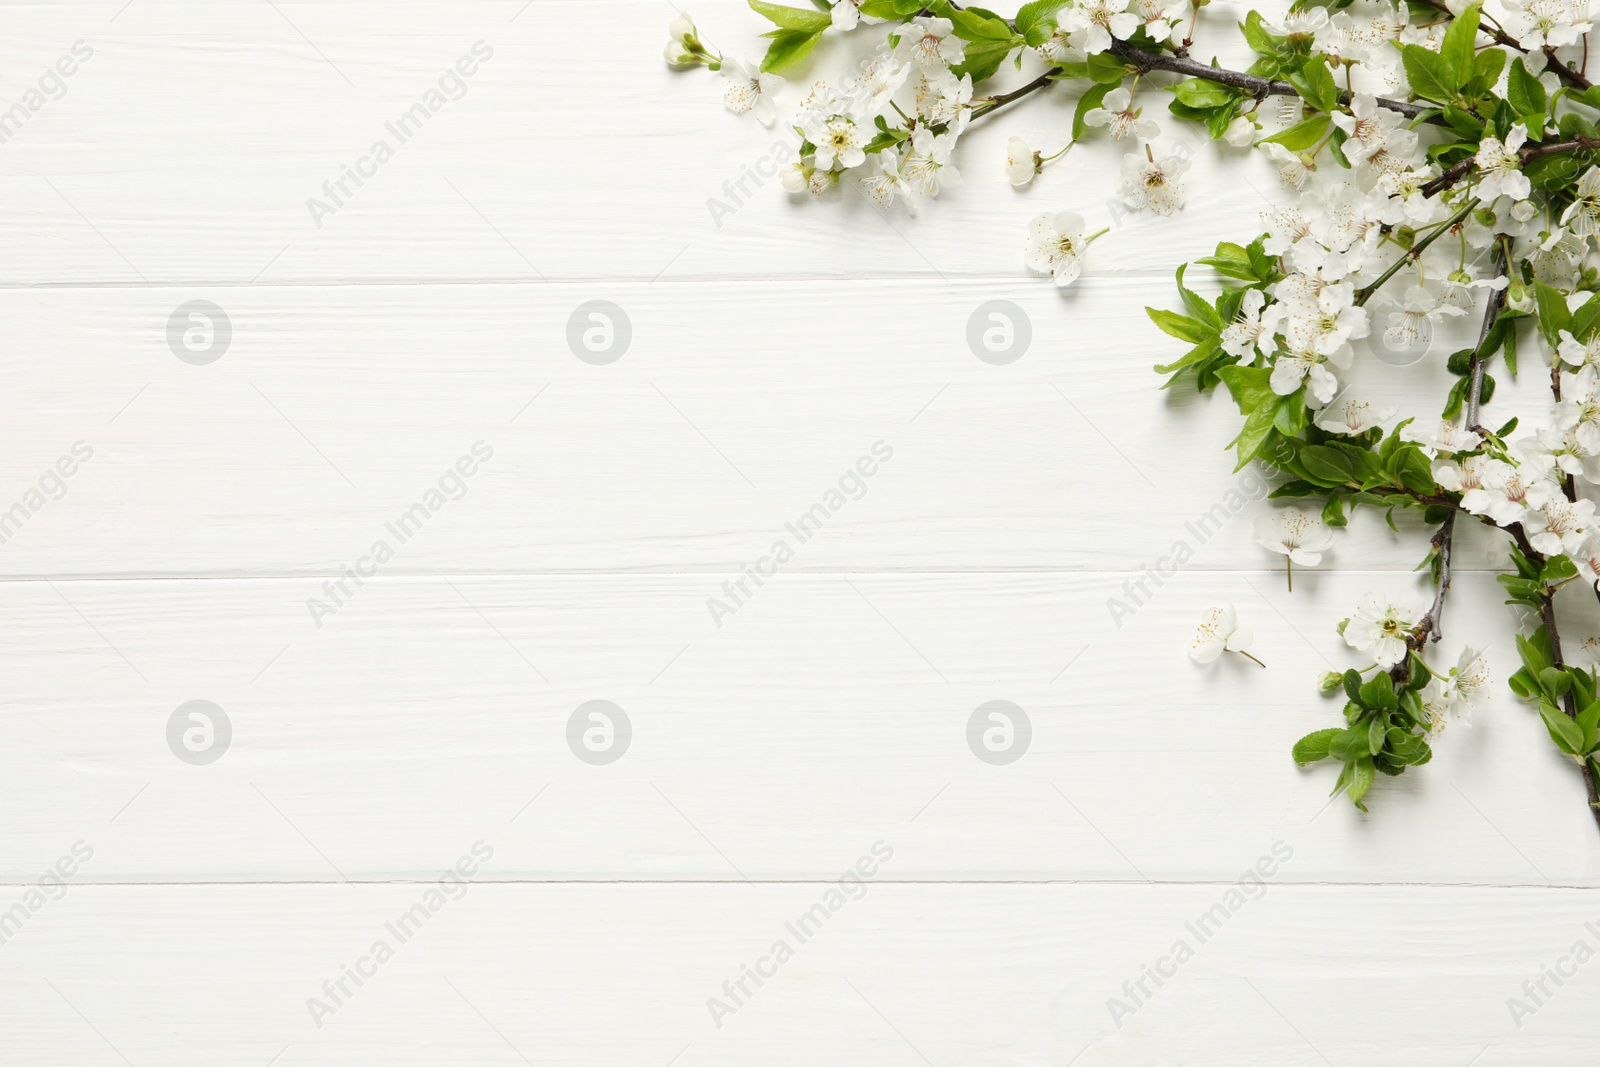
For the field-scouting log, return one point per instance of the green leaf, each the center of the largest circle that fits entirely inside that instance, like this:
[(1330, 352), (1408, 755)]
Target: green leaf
[(788, 48), (1589, 722), (1428, 73), (1181, 326), (792, 18), (1361, 776), (1486, 72), (1586, 319), (1327, 464), (1378, 692), (1567, 734), (1525, 93), (1199, 93), (982, 59), (1315, 83), (1302, 135), (1257, 37), (973, 24), (1459, 50), (1352, 685), (1553, 314), (1314, 746), (1091, 99), (1036, 20)]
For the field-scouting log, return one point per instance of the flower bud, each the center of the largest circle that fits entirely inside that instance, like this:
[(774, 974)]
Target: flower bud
[(1241, 133), (795, 177), (1330, 682), (677, 57)]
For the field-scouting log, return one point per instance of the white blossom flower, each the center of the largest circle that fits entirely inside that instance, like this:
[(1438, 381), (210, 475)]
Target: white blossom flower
[(1579, 353), (1294, 534), (1461, 474), (1444, 436), (1220, 632), (928, 168), (1147, 183), (1469, 683), (931, 43), (1120, 117), (1021, 162), (1582, 216), (1057, 245), (875, 82), (846, 15), (1500, 166), (1297, 366), (1381, 625), (1559, 525), (750, 90), (1293, 170), (1351, 417), (1159, 17), (1507, 491), (838, 140), (882, 187), (1539, 24), (1060, 49), (1247, 334), (1098, 21), (1368, 127), (1413, 323)]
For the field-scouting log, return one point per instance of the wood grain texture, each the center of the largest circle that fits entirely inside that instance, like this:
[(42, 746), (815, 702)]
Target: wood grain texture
[(826, 708), (989, 975)]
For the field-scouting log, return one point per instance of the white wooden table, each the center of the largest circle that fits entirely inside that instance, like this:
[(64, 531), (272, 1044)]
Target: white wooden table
[(395, 368)]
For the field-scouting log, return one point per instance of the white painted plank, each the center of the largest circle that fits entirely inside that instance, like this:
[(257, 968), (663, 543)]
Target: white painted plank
[(734, 410), (135, 174), (902, 974), (827, 709)]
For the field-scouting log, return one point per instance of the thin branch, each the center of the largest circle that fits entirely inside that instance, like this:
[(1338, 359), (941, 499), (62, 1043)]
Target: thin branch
[(1462, 167), (1260, 88)]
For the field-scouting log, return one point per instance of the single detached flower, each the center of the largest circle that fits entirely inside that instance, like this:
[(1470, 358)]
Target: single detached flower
[(1294, 534), (1148, 183), (1056, 246), (1022, 162), (1220, 632)]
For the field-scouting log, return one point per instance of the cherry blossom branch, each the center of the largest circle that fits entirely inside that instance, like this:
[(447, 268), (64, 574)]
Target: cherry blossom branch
[(1258, 87), (994, 103), (1461, 168), (1432, 626), (1499, 36), (1480, 361), (1415, 252)]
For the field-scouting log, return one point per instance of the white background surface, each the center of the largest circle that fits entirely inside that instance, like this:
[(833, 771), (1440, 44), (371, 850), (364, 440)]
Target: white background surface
[(768, 353)]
